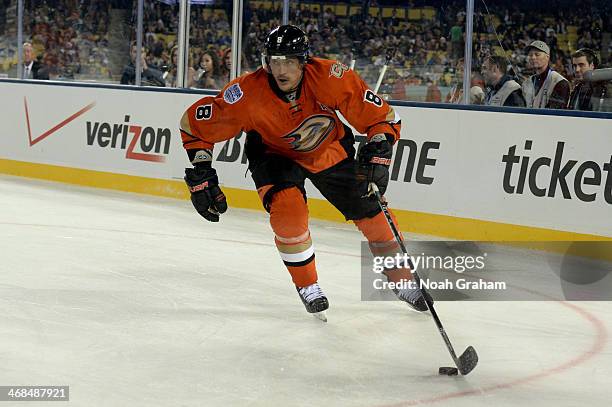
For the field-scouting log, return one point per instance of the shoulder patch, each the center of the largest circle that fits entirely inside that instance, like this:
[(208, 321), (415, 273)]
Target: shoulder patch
[(233, 94), (338, 70)]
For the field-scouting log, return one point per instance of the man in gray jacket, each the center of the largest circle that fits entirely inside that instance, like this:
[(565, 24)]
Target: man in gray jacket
[(546, 88), (501, 89)]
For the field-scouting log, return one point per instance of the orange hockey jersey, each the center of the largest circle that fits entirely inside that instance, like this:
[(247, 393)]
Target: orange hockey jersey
[(307, 129)]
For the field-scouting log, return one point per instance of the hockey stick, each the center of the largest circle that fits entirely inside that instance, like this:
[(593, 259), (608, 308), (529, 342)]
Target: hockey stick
[(388, 58), (469, 358)]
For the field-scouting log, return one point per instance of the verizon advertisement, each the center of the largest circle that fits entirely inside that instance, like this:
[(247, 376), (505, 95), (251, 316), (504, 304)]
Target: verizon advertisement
[(91, 128), (543, 171)]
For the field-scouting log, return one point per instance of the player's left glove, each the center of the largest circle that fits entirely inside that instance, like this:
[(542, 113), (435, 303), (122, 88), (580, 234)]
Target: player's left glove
[(374, 161)]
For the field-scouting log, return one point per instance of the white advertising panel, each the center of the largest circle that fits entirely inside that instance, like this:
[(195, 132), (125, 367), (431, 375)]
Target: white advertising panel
[(533, 170)]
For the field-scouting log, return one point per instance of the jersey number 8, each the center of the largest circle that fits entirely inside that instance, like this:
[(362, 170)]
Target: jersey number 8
[(373, 98), (203, 112)]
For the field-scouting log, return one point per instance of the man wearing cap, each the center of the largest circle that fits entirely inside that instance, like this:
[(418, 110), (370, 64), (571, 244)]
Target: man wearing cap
[(546, 88)]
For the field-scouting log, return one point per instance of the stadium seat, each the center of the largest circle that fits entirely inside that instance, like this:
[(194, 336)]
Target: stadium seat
[(355, 10), (414, 14), (387, 12), (341, 10), (428, 13)]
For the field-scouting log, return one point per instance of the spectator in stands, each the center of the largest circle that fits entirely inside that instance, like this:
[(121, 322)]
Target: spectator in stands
[(32, 68), (226, 64), (150, 76), (245, 66), (546, 88), (501, 89), (433, 92), (398, 89), (208, 71), (476, 87), (457, 40), (584, 93), (170, 75)]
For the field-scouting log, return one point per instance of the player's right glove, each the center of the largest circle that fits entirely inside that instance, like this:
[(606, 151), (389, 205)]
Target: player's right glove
[(374, 161), (206, 196)]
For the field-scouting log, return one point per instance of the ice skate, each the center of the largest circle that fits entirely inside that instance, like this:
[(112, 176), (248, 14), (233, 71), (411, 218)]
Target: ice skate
[(414, 298), (314, 300)]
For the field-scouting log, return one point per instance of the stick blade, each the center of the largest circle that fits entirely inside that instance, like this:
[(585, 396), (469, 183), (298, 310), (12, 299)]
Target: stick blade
[(468, 360)]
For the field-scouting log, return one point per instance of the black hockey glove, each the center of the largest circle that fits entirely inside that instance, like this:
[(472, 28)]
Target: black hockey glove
[(374, 161), (206, 196)]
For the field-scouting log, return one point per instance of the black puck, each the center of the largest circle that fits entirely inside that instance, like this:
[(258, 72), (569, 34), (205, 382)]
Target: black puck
[(448, 371)]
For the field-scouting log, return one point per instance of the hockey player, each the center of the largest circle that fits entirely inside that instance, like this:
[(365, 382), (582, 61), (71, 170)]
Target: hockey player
[(288, 110)]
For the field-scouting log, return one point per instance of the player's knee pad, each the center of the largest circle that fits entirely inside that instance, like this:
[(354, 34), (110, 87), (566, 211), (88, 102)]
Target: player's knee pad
[(289, 213), (268, 192)]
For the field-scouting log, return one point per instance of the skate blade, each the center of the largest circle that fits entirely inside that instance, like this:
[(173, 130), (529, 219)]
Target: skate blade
[(320, 315), (416, 311)]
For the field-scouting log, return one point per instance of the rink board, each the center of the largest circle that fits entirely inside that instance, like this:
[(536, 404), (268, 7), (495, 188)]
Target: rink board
[(457, 173)]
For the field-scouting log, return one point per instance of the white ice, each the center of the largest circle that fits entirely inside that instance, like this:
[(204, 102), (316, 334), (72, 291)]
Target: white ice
[(136, 301)]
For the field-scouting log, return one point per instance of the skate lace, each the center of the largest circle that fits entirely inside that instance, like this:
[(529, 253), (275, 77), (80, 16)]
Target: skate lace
[(311, 293)]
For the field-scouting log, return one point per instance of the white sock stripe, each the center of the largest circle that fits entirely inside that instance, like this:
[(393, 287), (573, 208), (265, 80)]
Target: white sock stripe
[(297, 257), (383, 245), (292, 240)]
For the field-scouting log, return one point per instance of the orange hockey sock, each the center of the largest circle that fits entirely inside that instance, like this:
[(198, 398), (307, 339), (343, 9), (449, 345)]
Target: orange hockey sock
[(289, 221), (383, 243)]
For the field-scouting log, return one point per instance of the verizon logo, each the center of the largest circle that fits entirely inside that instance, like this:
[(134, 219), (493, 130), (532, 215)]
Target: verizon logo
[(44, 135), (139, 143)]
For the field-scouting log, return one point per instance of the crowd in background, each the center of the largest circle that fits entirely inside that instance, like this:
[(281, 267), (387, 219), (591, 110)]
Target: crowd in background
[(74, 38), (70, 37)]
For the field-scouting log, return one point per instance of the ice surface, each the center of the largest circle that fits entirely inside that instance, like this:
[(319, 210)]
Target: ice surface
[(137, 301)]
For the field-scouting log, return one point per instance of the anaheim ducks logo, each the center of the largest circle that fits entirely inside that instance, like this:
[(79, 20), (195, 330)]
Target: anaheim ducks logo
[(338, 70), (310, 133)]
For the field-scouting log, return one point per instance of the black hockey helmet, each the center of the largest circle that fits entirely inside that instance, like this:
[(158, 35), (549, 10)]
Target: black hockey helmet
[(286, 41)]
